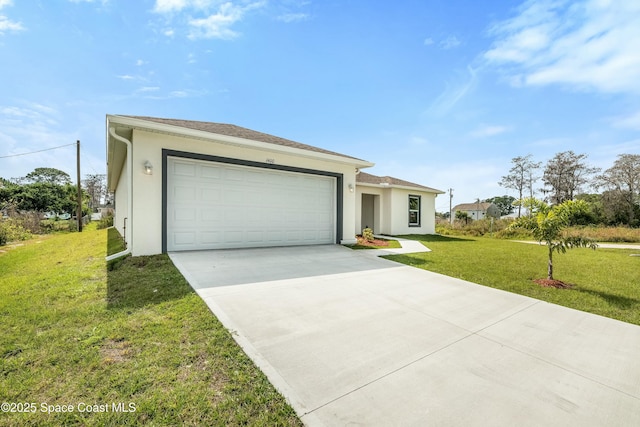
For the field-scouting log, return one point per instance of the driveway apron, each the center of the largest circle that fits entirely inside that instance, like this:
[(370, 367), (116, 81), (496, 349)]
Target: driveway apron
[(352, 339)]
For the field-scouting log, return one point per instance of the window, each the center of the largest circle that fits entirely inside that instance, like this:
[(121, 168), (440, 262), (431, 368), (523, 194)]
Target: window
[(414, 211)]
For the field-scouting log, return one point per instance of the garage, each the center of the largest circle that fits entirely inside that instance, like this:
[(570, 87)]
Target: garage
[(217, 204)]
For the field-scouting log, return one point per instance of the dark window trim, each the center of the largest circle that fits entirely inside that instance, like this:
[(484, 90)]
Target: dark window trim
[(419, 224), (206, 157)]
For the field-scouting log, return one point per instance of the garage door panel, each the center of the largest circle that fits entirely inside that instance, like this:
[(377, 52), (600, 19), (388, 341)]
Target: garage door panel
[(217, 205)]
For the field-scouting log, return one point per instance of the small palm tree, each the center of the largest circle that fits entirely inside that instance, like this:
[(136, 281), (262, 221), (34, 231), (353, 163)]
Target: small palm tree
[(547, 223)]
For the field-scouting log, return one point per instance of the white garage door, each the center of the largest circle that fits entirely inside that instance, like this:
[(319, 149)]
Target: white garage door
[(218, 205)]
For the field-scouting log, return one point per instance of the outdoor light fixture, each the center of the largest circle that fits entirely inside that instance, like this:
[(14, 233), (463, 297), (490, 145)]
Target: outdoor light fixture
[(351, 188), (148, 168)]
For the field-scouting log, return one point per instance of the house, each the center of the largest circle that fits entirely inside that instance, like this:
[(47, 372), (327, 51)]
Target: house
[(478, 210), (393, 206), (188, 185)]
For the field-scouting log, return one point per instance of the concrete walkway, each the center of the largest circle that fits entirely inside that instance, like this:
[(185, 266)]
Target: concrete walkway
[(353, 339), (407, 247)]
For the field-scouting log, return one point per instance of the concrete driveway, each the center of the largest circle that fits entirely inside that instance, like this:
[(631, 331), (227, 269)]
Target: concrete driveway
[(352, 339)]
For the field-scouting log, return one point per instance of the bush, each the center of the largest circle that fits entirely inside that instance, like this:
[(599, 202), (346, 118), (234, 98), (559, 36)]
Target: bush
[(11, 231), (367, 234), (105, 222), (475, 228)]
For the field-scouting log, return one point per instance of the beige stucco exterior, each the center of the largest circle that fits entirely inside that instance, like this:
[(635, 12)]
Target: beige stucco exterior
[(145, 224), (391, 210)]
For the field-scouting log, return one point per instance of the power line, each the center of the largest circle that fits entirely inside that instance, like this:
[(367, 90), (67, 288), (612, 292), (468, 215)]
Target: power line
[(38, 151)]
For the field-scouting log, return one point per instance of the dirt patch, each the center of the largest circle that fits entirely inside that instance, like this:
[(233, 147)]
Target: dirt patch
[(549, 283), (115, 351), (374, 242)]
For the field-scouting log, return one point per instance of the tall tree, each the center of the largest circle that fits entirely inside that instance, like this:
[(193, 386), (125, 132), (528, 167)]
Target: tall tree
[(504, 203), (565, 174), (521, 177), (622, 182), (48, 175), (548, 223), (95, 186)]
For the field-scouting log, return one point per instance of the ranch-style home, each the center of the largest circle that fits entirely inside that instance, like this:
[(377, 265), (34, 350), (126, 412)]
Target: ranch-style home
[(187, 185)]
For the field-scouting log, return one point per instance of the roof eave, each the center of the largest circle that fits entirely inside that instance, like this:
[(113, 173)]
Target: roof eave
[(232, 140), (402, 187)]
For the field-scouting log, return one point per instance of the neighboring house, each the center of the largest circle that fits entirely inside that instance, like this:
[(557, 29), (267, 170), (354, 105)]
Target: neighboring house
[(390, 205), (478, 210), (188, 185)]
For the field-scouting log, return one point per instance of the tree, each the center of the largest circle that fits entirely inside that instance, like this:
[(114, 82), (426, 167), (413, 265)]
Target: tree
[(521, 176), (565, 174), (95, 186), (547, 225), (622, 182), (48, 175), (504, 203), (462, 216)]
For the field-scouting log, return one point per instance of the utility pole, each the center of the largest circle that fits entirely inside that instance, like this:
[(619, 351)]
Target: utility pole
[(450, 211), (79, 208)]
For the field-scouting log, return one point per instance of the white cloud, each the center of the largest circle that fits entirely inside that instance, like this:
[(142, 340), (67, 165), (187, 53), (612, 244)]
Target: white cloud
[(126, 77), (202, 23), (293, 17), (587, 45), (627, 122), (140, 62), (5, 23), (219, 24), (164, 6), (450, 42), (452, 95), (489, 130), (148, 89), (428, 41)]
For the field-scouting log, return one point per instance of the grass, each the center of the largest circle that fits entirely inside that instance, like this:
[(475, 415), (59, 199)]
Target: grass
[(74, 333), (606, 281)]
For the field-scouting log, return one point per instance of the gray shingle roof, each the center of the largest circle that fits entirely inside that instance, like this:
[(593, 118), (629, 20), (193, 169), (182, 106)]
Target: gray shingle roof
[(367, 178), (483, 206), (238, 132)]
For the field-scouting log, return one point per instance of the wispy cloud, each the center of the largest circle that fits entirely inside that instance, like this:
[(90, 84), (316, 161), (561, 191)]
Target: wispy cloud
[(218, 25), (446, 43), (452, 94), (627, 122), (166, 6), (126, 77), (293, 17), (450, 42), (486, 131), (199, 19), (6, 24), (587, 45)]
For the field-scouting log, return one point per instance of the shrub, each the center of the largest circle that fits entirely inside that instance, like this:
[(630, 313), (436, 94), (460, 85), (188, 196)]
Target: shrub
[(105, 222), (11, 231), (367, 234)]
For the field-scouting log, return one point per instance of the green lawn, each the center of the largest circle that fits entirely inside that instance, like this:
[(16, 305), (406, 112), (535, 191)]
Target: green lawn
[(607, 281), (75, 334)]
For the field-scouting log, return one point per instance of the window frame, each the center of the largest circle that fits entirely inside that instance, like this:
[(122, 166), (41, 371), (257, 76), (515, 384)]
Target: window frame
[(417, 211)]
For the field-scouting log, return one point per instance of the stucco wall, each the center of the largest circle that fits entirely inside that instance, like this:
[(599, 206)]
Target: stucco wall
[(121, 202), (392, 216), (147, 193)]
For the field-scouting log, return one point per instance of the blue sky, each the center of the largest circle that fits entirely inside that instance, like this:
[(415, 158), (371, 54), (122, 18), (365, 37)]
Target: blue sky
[(442, 93)]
